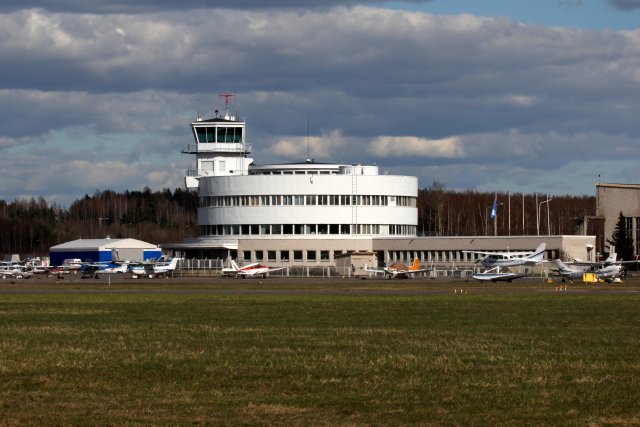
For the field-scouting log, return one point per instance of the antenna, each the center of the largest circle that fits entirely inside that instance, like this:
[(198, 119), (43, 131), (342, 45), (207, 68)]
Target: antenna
[(308, 120), (226, 97)]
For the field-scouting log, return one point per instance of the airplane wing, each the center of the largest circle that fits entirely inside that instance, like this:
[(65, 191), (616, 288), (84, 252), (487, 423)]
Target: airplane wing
[(497, 277), (484, 253), (375, 270), (421, 270)]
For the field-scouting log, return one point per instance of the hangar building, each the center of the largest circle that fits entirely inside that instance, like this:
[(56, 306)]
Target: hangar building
[(98, 250)]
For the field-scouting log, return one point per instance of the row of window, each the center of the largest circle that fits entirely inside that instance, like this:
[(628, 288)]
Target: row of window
[(394, 256), (444, 256), (218, 134), (292, 172), (286, 256), (308, 229), (307, 200)]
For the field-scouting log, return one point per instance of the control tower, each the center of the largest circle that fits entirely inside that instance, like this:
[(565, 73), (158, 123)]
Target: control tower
[(219, 148)]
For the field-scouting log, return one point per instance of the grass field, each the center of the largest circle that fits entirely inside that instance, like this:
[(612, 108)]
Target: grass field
[(485, 358)]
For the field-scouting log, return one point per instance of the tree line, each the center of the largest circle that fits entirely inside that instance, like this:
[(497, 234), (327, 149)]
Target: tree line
[(444, 212), (32, 226)]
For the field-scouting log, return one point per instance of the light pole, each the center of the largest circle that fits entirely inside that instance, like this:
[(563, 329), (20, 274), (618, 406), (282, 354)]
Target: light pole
[(538, 215)]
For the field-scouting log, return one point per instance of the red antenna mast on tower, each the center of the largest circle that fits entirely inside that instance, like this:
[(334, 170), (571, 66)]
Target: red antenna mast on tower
[(226, 97)]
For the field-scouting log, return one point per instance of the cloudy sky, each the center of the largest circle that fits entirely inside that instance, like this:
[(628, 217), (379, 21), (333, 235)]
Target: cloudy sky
[(493, 95)]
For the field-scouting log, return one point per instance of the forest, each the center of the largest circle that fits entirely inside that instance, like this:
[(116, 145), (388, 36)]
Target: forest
[(30, 227)]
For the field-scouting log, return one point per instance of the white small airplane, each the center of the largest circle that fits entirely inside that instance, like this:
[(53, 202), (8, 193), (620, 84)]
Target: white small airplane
[(606, 272), (510, 259), (113, 268), (165, 267), (249, 270), (398, 271), (496, 275), (97, 268), (17, 271)]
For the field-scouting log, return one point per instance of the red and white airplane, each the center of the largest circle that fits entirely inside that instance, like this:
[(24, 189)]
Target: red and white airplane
[(249, 270)]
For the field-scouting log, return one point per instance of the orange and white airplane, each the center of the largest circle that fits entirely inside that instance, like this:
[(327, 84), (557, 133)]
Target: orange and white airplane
[(249, 270), (398, 271)]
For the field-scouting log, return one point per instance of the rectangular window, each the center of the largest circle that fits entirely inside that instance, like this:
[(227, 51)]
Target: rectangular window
[(324, 256), (265, 229), (310, 229), (310, 200), (259, 255), (271, 256), (201, 134), (255, 229), (276, 228), (285, 256), (245, 229), (221, 134), (323, 228), (297, 256), (287, 229), (298, 229), (222, 166), (287, 200), (246, 255), (311, 256), (298, 200), (207, 167)]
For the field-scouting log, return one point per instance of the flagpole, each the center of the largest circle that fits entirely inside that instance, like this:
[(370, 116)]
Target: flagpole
[(509, 221), (494, 213)]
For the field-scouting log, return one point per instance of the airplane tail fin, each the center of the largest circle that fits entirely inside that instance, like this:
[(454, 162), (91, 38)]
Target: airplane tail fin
[(416, 265), (538, 254), (174, 263), (561, 265), (611, 260), (234, 266)]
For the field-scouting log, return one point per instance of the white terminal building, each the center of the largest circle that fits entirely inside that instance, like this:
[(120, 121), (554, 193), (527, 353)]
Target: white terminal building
[(311, 213)]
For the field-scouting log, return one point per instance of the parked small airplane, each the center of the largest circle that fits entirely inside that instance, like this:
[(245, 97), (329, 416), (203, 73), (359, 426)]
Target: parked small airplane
[(510, 259), (606, 272), (496, 275), (13, 270), (94, 269), (398, 271), (165, 268), (249, 270)]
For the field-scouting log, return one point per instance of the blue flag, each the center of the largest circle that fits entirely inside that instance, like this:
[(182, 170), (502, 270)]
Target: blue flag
[(494, 210)]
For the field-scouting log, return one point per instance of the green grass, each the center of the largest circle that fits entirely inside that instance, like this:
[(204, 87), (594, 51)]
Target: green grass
[(553, 359)]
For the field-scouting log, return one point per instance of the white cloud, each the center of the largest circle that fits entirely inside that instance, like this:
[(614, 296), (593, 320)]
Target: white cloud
[(407, 146), (301, 147)]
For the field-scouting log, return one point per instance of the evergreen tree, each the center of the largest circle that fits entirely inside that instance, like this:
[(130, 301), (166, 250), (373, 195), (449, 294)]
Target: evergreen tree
[(622, 240)]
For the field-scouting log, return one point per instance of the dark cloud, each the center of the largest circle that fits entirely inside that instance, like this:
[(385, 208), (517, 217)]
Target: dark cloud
[(626, 4), (146, 6)]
